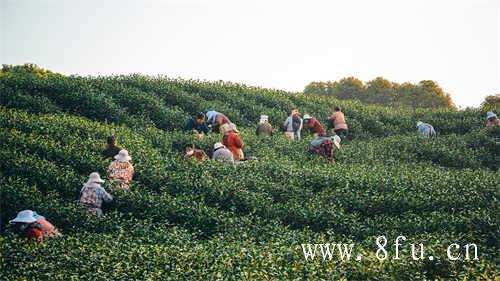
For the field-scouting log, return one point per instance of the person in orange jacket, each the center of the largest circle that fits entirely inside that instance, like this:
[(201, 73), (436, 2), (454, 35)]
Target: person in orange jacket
[(232, 141)]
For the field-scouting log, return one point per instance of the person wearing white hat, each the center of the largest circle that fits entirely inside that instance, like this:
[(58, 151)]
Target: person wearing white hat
[(221, 153), (314, 126), (492, 120), (26, 226), (92, 195), (121, 170), (325, 146), (425, 130), (264, 128)]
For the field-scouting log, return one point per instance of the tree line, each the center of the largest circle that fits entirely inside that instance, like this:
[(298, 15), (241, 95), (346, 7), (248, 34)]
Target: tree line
[(380, 91)]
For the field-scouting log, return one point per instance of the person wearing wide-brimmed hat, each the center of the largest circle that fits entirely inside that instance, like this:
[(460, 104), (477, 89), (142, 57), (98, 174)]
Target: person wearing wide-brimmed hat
[(314, 126), (325, 146), (425, 130), (26, 226), (221, 153), (293, 125), (121, 170), (232, 141), (264, 128), (92, 195), (492, 120), (216, 119)]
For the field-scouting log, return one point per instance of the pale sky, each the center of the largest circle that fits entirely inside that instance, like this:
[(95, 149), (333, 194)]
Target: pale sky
[(268, 43)]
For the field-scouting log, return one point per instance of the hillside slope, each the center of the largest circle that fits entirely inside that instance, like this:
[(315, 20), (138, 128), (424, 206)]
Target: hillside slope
[(211, 221)]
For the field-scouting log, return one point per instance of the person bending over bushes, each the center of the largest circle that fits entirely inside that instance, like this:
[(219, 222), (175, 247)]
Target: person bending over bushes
[(121, 170), (29, 224), (92, 195)]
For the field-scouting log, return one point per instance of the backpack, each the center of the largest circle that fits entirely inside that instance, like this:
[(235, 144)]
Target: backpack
[(296, 121)]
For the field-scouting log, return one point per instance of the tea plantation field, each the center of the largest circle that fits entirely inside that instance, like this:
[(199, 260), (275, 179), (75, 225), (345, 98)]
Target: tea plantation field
[(210, 221)]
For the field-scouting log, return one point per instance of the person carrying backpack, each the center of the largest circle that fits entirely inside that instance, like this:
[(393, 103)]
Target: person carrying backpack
[(325, 146), (293, 125)]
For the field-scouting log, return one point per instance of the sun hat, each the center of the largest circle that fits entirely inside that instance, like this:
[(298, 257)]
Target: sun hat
[(307, 116), (218, 145), (232, 127), (263, 118), (490, 114), (419, 123), (37, 215), (25, 216), (94, 178), (224, 128), (123, 156), (211, 114), (336, 141)]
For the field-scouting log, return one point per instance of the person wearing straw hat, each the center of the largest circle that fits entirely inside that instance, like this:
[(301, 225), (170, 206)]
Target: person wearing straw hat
[(121, 170), (92, 195), (232, 141), (264, 128), (425, 130), (26, 226), (314, 126), (492, 120), (221, 153), (194, 154), (293, 125), (216, 119), (325, 146)]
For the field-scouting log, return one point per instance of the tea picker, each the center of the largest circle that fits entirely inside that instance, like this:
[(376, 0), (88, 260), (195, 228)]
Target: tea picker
[(425, 130), (325, 146), (92, 195), (264, 128), (293, 125), (492, 120), (216, 119), (197, 125), (314, 126)]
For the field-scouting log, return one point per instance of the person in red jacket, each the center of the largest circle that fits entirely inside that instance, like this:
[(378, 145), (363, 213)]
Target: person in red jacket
[(314, 126), (232, 141), (26, 226)]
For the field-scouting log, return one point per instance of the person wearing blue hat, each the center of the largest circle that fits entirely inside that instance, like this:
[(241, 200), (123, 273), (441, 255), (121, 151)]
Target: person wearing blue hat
[(216, 119), (492, 120)]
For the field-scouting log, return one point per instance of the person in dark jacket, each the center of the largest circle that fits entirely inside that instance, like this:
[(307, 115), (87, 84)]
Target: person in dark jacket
[(197, 124), (263, 127), (112, 149)]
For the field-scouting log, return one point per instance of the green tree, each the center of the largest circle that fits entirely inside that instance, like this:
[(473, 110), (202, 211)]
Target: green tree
[(491, 103)]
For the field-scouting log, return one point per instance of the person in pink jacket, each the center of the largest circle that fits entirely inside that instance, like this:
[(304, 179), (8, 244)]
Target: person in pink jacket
[(338, 122)]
